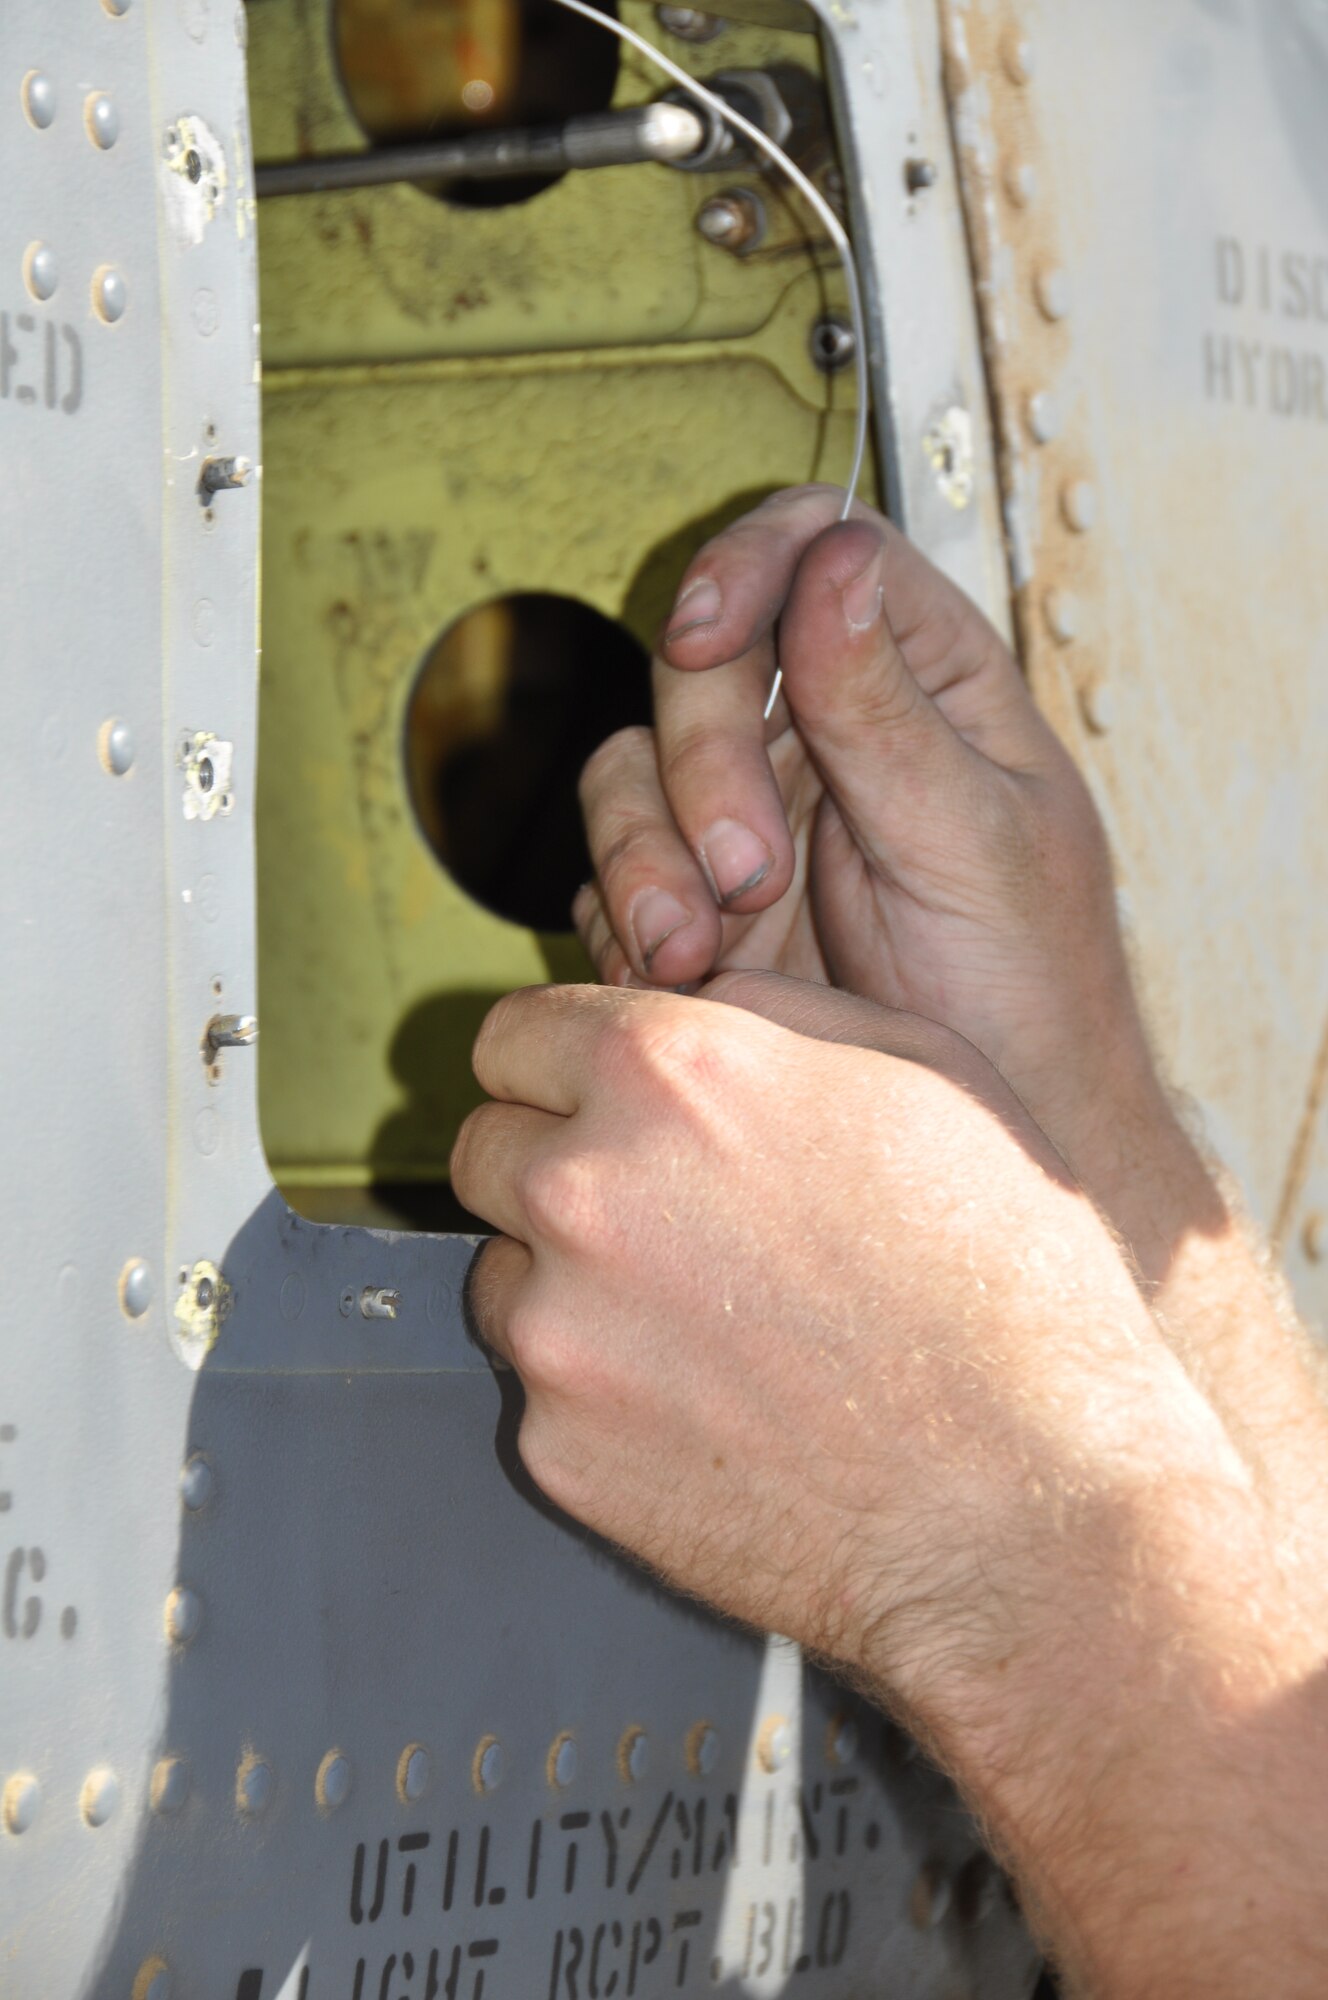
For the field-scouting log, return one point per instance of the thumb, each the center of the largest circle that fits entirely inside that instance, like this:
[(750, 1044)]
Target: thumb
[(883, 748)]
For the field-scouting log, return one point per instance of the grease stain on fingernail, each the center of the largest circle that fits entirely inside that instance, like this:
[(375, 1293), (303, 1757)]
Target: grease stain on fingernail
[(735, 859), (654, 917)]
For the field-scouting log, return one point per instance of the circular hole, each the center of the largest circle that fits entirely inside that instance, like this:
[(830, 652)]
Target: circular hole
[(439, 69), (507, 707)]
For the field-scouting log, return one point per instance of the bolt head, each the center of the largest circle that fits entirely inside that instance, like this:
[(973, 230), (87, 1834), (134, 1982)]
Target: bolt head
[(170, 1784), (332, 1786), (1079, 505), (103, 121), (184, 1615), (833, 344), (100, 1796), (734, 221), (136, 1288), (39, 100), (20, 1802), (41, 271)]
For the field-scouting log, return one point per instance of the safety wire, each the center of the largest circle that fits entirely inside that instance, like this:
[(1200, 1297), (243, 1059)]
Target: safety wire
[(815, 200)]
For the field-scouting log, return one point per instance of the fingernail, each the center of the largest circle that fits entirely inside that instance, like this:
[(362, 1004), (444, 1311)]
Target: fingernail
[(699, 604), (736, 859), (654, 916), (862, 597)]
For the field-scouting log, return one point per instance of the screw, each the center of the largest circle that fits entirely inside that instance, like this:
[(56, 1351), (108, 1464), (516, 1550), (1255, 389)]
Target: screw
[(223, 475), (102, 120), (255, 1782), (1044, 416), (833, 344), (195, 1483), (170, 1784), (633, 1755), (135, 1288), (564, 1761), (1061, 611), (205, 1294), (39, 99), (920, 174), (702, 1748), (486, 1770), (206, 774), (100, 1796), (22, 1797), (689, 24), (193, 166), (332, 1785), (413, 1774), (1052, 287), (41, 272), (1079, 505), (775, 1745), (184, 1615), (732, 221), (1314, 1236)]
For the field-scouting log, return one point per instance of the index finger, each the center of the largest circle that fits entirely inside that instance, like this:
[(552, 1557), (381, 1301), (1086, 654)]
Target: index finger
[(734, 588), (536, 1046)]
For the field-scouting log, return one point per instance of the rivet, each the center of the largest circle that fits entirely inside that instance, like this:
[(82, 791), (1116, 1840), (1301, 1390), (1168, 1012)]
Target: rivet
[(1052, 287), (332, 1785), (841, 1740), (1061, 611), (102, 120), (195, 1482), (1097, 706), (170, 1784), (932, 1896), (486, 1771), (255, 1782), (152, 1981), (564, 1760), (184, 1615), (100, 1796), (1019, 57), (39, 99), (1314, 1236), (774, 1745), (135, 1288), (115, 747), (734, 220), (1079, 505), (41, 271), (412, 1773), (919, 175), (21, 1799), (689, 24), (1044, 416), (1021, 183), (633, 1755), (702, 1749), (110, 295)]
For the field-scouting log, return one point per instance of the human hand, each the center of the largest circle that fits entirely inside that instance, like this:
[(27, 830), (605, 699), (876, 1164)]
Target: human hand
[(829, 1338), (906, 825)]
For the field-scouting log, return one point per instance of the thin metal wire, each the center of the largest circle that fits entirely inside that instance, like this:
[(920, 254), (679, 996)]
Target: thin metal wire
[(815, 200)]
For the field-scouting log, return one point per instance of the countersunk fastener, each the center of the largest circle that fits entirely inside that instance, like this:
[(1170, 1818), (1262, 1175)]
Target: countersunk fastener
[(833, 344), (486, 1769), (1044, 416), (920, 174), (1061, 611), (1079, 505), (734, 220), (633, 1754), (413, 1772), (102, 120), (21, 1800), (1314, 1236), (39, 100), (702, 1748), (932, 1896), (135, 1288), (563, 1761), (100, 1796), (689, 24), (774, 1746), (41, 271)]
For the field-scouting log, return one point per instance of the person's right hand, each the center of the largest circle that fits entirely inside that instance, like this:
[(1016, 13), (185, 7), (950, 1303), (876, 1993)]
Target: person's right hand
[(906, 825)]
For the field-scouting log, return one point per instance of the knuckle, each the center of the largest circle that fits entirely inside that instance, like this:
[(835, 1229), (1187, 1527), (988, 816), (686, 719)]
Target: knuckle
[(604, 766), (562, 1193), (543, 1353), (678, 1052)]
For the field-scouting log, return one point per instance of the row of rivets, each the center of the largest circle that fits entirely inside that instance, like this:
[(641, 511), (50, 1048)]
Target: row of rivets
[(101, 120), (41, 275)]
